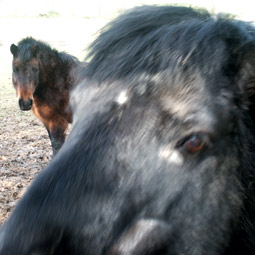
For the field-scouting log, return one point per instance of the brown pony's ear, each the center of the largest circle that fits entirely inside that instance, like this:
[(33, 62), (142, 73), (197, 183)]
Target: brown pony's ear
[(35, 50), (14, 50)]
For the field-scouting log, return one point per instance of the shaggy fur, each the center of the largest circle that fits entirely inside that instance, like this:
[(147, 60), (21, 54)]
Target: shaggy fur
[(160, 158)]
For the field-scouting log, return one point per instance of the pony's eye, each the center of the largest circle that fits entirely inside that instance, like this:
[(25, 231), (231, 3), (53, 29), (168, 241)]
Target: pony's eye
[(194, 143)]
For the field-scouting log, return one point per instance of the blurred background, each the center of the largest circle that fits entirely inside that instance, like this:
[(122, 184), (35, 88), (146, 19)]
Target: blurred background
[(72, 25), (95, 8)]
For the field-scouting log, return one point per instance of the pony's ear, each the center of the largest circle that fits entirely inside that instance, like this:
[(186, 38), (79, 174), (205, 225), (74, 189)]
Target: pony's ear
[(14, 50), (35, 50)]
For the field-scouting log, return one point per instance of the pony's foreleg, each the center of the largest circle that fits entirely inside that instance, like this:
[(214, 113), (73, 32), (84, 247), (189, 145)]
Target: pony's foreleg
[(57, 131)]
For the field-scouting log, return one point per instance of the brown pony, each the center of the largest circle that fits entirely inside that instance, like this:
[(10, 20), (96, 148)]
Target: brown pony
[(43, 79)]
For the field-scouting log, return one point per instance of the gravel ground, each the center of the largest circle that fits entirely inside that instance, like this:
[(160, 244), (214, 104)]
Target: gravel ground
[(24, 151)]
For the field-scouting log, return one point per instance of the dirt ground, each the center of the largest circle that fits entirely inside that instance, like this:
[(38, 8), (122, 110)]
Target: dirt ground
[(24, 149), (24, 144)]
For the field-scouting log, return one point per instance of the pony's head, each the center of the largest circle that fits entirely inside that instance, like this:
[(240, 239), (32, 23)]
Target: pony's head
[(25, 72)]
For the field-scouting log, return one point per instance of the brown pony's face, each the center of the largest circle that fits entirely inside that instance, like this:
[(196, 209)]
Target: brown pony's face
[(25, 75)]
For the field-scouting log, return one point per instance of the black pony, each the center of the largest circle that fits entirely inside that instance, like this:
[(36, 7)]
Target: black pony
[(43, 79), (160, 158)]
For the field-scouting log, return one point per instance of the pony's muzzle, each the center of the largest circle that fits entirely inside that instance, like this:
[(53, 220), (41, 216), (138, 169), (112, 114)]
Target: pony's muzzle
[(25, 105)]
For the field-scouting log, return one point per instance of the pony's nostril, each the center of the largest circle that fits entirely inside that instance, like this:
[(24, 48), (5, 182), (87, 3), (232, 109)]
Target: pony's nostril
[(21, 103), (25, 105), (30, 102), (146, 236)]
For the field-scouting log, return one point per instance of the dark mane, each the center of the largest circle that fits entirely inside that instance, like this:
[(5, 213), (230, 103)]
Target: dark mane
[(151, 39), (25, 54)]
